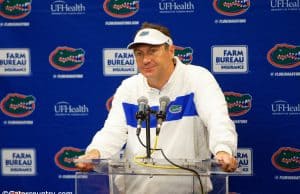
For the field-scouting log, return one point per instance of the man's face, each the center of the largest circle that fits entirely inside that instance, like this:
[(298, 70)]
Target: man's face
[(153, 61)]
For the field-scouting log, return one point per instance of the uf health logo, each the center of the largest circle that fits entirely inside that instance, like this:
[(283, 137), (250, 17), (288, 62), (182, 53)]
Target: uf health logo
[(284, 56), (287, 159), (231, 7), (238, 104), (64, 158), (121, 8), (15, 9), (17, 105), (66, 58)]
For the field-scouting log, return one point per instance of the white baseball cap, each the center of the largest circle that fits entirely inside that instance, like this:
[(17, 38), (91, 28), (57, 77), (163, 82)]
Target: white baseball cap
[(150, 36)]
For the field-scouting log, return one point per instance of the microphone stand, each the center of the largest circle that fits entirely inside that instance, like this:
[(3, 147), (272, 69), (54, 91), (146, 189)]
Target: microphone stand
[(148, 142)]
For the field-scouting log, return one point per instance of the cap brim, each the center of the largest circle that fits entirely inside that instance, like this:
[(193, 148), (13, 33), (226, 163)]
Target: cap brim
[(150, 36)]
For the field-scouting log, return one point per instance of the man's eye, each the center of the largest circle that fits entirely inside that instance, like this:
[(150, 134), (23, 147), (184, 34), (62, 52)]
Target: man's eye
[(153, 50), (138, 54)]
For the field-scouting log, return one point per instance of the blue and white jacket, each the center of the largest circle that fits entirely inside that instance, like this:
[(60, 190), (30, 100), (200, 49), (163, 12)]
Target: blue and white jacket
[(197, 123)]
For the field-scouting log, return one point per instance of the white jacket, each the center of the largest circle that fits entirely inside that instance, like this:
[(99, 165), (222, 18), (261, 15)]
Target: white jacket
[(197, 123)]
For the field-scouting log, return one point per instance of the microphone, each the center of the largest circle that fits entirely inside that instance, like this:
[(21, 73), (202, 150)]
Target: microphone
[(141, 114), (161, 115)]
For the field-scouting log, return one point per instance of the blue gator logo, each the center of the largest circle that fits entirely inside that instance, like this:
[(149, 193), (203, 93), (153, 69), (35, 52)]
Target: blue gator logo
[(121, 8), (231, 7), (17, 105), (66, 58), (15, 9)]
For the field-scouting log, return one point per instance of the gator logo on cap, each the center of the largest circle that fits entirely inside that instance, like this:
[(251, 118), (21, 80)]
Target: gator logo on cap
[(66, 58), (284, 56), (17, 105), (121, 8), (231, 7), (238, 104), (15, 9), (287, 159), (64, 159), (184, 54)]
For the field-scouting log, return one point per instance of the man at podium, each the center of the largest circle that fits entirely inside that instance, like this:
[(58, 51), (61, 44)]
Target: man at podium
[(196, 123)]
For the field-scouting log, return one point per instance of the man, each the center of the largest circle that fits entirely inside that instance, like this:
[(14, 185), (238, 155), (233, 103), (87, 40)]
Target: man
[(197, 123)]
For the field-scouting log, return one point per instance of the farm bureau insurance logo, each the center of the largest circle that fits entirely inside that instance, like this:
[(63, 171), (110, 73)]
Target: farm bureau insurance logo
[(230, 59), (176, 6), (66, 109), (18, 162), (15, 9), (185, 54), (244, 158), (60, 7), (281, 107), (66, 58), (17, 105), (284, 56), (65, 157), (238, 104), (119, 62), (231, 7), (121, 8), (287, 159), (15, 62)]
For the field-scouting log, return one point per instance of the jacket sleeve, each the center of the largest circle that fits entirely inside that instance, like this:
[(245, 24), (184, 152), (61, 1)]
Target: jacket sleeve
[(213, 111), (110, 139)]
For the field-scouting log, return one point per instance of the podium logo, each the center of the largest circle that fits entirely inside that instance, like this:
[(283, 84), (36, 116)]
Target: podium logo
[(184, 54), (284, 56), (64, 158), (121, 8), (66, 58), (238, 104), (17, 105), (231, 7), (287, 159), (15, 9)]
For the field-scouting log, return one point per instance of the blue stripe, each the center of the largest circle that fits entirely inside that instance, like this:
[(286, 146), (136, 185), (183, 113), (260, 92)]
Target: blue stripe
[(182, 106)]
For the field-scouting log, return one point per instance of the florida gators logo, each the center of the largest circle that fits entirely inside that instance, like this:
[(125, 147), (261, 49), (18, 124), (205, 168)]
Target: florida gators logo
[(184, 54), (15, 9), (121, 8), (284, 56), (287, 159), (238, 104), (231, 7), (64, 159), (17, 105), (66, 58)]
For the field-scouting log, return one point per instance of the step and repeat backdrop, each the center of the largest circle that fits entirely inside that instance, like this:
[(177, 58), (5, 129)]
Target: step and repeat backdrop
[(61, 61)]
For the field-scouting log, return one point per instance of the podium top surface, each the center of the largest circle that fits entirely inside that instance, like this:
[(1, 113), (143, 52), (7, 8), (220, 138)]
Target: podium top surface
[(146, 166)]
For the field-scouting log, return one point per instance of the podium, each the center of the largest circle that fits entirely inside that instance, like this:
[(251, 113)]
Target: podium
[(152, 176)]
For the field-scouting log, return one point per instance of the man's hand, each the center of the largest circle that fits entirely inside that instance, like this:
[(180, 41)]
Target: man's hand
[(227, 161), (85, 166)]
